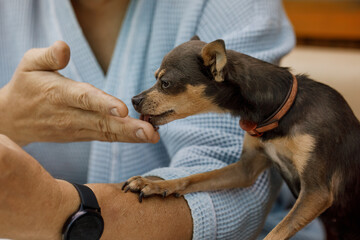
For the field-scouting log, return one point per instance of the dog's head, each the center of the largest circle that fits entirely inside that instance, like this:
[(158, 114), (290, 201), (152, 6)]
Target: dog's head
[(185, 83)]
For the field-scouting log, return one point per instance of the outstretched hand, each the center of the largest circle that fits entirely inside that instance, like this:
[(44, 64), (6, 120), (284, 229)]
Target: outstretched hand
[(41, 105)]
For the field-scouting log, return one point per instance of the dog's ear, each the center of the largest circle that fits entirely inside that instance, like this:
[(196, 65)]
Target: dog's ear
[(214, 56), (195, 37)]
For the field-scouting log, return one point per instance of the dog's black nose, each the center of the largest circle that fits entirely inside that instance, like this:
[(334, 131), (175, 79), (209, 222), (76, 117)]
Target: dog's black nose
[(136, 101)]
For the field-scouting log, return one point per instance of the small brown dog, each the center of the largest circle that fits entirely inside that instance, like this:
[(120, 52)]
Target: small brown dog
[(302, 127)]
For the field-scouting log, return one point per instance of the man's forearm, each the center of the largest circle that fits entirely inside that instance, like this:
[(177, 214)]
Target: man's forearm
[(125, 217), (34, 205), (154, 218)]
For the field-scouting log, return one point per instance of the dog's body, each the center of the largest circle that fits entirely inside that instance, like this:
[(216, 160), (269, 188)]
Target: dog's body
[(315, 147)]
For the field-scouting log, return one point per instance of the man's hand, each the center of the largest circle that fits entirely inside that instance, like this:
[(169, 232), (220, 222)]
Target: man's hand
[(34, 205), (40, 105)]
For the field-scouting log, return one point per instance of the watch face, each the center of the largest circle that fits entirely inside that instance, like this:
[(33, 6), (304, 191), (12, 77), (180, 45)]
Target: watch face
[(85, 225)]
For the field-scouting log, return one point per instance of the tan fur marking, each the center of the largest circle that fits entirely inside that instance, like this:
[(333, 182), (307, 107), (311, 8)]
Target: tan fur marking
[(198, 103), (161, 73), (210, 51), (297, 148), (208, 59), (307, 207), (336, 183), (251, 142), (190, 102), (214, 54), (156, 73)]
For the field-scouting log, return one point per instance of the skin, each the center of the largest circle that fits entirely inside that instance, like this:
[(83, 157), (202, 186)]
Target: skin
[(102, 14), (43, 106), (33, 204)]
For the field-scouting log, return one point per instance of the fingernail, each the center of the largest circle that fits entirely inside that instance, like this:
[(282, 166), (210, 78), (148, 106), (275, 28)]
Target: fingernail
[(141, 135), (115, 112)]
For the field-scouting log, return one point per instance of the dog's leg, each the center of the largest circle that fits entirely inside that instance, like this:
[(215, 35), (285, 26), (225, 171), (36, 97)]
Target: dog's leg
[(240, 174), (309, 205)]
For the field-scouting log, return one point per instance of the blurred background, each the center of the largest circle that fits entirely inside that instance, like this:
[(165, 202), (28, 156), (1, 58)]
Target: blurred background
[(328, 44)]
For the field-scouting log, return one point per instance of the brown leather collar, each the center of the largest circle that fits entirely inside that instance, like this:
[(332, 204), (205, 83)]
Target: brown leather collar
[(272, 122)]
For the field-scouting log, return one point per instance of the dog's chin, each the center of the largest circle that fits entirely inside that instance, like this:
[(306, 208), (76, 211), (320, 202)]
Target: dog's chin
[(159, 119)]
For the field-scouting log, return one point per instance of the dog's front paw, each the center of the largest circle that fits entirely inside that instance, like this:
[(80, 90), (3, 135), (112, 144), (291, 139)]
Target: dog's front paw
[(148, 187)]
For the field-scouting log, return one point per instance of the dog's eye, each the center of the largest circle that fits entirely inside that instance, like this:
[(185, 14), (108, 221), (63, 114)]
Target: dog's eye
[(165, 84)]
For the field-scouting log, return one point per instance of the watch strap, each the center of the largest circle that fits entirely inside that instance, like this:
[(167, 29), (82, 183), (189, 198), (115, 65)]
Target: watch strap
[(87, 196)]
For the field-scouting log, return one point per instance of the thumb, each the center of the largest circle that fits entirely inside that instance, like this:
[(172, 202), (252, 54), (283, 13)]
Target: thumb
[(53, 58)]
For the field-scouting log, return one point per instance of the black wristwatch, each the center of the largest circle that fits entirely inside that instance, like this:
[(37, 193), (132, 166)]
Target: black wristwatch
[(87, 223)]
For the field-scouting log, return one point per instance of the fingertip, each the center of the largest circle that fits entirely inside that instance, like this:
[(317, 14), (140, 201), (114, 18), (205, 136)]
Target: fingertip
[(61, 53), (143, 132), (155, 138), (123, 110), (152, 136), (120, 111)]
